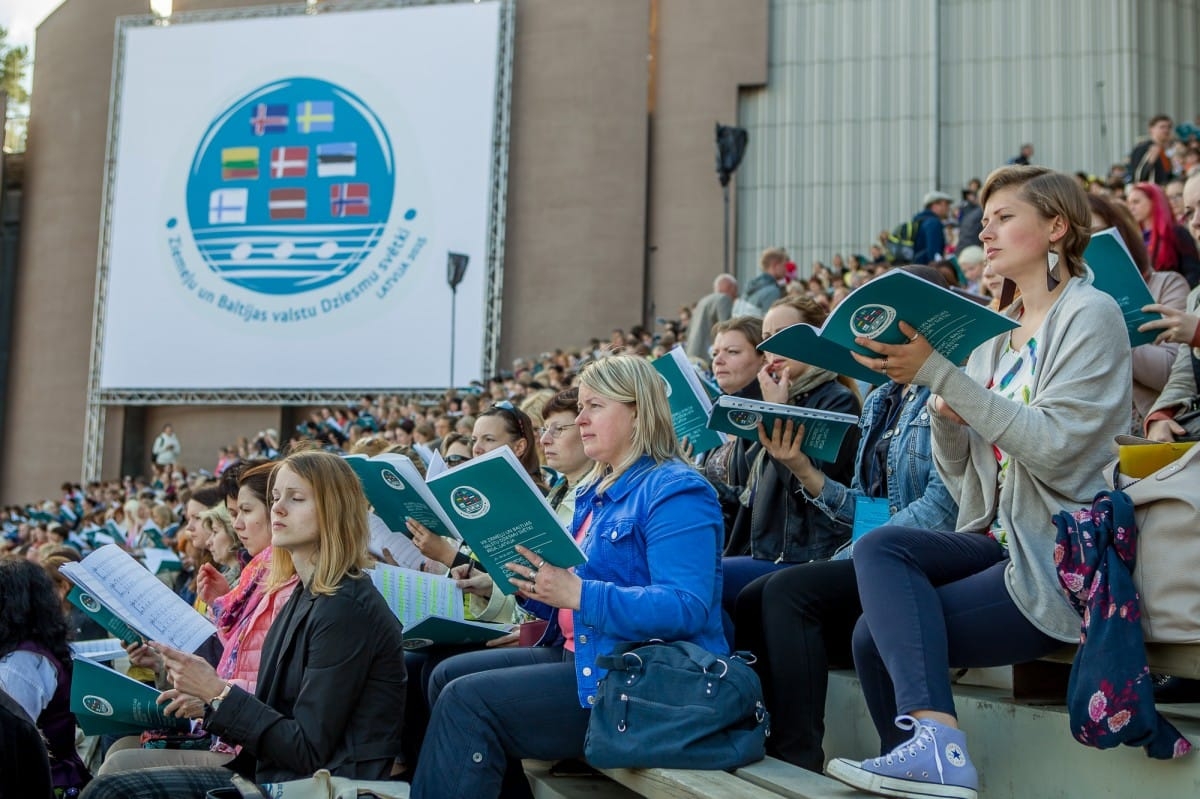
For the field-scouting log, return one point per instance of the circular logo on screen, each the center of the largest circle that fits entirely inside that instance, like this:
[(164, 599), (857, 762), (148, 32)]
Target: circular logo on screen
[(391, 480), (470, 503), (97, 705), (744, 420), (871, 320), (291, 187), (89, 604)]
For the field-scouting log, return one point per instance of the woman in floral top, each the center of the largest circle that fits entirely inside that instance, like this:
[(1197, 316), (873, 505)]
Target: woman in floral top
[(1023, 432)]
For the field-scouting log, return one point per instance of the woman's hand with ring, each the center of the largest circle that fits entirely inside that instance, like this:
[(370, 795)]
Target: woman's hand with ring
[(544, 582), (900, 362)]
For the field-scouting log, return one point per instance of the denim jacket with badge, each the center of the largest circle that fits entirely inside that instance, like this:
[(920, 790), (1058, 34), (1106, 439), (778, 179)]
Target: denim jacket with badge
[(917, 497), (654, 566)]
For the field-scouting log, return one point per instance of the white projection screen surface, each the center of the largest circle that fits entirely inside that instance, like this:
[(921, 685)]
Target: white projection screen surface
[(284, 195)]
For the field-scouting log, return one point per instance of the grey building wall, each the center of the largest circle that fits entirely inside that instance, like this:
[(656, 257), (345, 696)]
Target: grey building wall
[(871, 103)]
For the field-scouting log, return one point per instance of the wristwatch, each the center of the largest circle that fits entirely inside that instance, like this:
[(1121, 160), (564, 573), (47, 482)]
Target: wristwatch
[(216, 701)]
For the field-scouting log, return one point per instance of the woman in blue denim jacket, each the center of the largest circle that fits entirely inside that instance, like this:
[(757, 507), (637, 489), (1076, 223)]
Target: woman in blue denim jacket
[(651, 528), (800, 619)]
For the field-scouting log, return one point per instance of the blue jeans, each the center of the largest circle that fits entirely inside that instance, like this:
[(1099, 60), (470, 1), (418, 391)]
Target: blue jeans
[(932, 602), (492, 708)]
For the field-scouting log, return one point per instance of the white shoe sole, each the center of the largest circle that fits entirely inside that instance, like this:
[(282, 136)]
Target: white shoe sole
[(856, 776)]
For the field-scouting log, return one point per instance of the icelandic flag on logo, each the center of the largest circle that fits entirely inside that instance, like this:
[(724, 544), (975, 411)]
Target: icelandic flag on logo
[(337, 160), (239, 163), (314, 116), (289, 162), (287, 203), (349, 199), (227, 206), (269, 118)]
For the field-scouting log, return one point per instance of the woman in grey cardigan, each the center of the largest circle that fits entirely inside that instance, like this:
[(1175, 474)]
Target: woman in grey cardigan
[(1023, 433)]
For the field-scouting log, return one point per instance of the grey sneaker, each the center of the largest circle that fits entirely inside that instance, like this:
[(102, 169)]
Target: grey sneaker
[(933, 763)]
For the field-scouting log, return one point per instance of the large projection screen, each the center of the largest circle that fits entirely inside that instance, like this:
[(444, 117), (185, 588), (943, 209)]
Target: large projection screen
[(285, 192)]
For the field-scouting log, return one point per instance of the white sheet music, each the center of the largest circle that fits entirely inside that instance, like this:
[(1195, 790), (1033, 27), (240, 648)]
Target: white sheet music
[(125, 587), (102, 650)]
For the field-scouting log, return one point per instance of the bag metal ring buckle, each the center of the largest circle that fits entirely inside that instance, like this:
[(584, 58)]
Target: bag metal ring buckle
[(724, 669), (636, 657)]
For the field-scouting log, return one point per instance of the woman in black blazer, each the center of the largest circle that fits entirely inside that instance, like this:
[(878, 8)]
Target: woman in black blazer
[(331, 686)]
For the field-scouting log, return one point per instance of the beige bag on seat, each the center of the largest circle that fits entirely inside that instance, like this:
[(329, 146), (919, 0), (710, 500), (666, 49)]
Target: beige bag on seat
[(1167, 574)]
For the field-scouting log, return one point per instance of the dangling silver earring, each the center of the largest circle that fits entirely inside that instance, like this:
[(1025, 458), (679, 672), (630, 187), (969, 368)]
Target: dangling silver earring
[(1052, 280)]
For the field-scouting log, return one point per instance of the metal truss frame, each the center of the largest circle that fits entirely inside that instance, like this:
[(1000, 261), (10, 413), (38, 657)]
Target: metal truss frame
[(99, 399)]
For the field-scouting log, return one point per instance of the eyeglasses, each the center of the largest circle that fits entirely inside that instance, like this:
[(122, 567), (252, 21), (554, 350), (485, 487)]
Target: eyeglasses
[(454, 460), (555, 431)]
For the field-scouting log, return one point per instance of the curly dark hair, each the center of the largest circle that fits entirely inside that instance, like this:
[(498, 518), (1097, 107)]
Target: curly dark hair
[(30, 610)]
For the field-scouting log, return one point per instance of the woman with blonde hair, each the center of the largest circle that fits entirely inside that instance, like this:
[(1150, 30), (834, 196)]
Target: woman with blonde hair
[(1024, 432), (330, 692), (651, 528)]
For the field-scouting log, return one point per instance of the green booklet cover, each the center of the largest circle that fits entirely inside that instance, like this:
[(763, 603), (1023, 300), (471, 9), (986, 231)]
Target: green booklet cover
[(397, 491), (126, 589), (440, 631), (1117, 275), (954, 325), (105, 700), (161, 560), (690, 403), (497, 506), (431, 608), (103, 616), (823, 430)]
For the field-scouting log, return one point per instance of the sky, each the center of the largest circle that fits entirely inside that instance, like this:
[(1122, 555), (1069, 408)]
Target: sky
[(21, 17)]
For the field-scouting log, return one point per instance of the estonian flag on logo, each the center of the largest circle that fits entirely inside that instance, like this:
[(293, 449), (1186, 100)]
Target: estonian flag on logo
[(337, 160)]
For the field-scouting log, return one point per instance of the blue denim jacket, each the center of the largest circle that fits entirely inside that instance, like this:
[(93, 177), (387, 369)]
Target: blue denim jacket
[(653, 568), (917, 497)]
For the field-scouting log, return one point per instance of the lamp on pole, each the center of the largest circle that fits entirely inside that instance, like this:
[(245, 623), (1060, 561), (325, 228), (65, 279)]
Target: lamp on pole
[(731, 146), (456, 269)]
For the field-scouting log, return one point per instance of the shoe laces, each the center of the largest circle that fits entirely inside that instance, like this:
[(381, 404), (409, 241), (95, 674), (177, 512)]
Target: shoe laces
[(923, 740)]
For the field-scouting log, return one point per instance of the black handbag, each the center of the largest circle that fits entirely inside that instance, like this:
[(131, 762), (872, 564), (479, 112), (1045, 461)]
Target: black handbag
[(676, 705)]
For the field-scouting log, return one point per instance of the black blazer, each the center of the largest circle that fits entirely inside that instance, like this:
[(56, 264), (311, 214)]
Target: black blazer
[(331, 689)]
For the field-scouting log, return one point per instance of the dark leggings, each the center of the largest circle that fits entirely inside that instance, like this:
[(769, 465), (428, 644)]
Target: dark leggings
[(798, 621), (932, 602)]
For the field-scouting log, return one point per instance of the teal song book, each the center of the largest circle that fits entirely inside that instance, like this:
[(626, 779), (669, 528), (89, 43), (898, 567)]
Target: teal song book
[(397, 491), (953, 325), (107, 701), (823, 430), (1115, 273), (690, 402), (497, 506)]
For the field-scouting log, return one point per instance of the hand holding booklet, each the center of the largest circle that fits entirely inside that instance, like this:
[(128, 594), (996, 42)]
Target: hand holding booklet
[(107, 701), (952, 324), (497, 506), (823, 430), (111, 579)]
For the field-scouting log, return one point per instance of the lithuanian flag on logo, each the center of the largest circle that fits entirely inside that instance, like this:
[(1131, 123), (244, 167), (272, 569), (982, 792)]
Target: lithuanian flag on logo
[(239, 163)]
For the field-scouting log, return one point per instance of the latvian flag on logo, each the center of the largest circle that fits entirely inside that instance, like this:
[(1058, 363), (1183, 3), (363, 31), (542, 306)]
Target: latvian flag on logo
[(289, 162), (239, 163), (349, 199), (269, 119), (287, 203), (337, 160)]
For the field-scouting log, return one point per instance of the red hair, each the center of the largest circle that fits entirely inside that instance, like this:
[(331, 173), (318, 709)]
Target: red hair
[(1162, 246)]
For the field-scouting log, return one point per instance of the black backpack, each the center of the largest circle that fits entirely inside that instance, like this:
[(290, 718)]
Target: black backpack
[(901, 242)]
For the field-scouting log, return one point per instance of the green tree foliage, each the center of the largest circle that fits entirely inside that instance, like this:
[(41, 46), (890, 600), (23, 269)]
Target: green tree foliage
[(14, 61)]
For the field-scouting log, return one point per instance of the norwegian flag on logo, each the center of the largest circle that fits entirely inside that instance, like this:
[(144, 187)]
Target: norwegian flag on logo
[(350, 199)]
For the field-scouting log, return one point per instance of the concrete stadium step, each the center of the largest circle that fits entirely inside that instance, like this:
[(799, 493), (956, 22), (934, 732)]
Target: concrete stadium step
[(1027, 752)]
